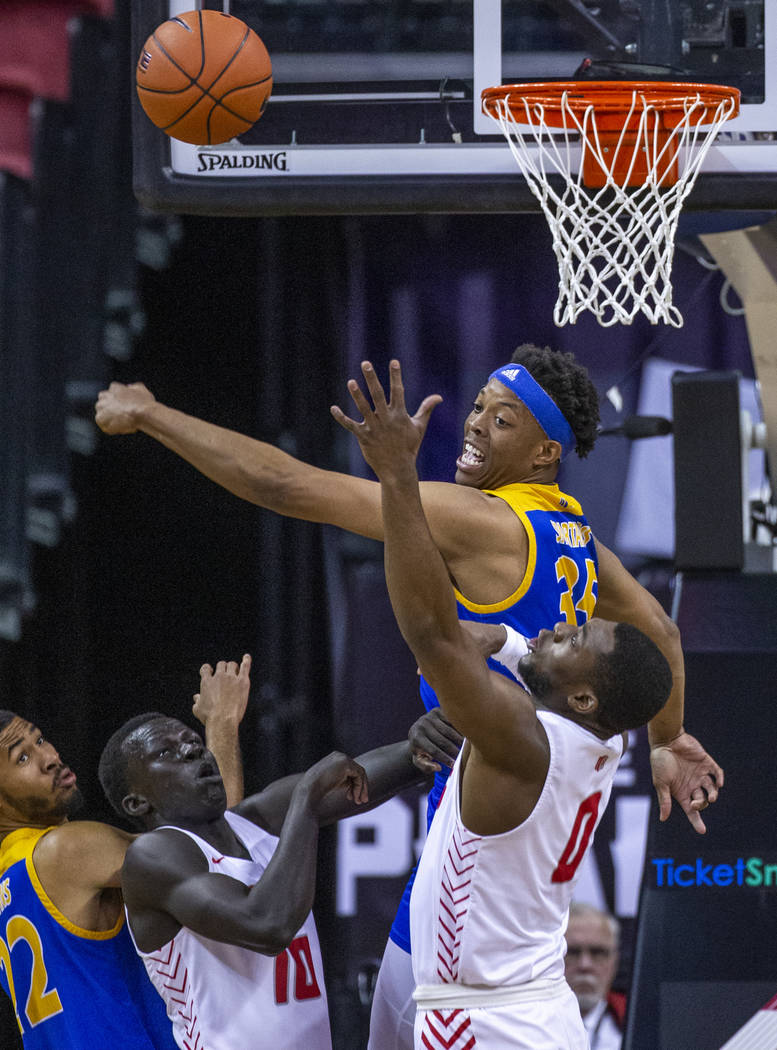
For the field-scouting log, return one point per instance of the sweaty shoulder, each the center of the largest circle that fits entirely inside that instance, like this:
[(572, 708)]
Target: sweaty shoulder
[(82, 852), (79, 867), (482, 540), (166, 854), (453, 511)]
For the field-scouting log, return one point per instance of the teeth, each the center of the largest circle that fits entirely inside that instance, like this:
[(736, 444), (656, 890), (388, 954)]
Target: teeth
[(471, 455)]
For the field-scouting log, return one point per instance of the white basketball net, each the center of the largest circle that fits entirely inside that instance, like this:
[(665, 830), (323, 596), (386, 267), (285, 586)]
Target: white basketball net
[(613, 245)]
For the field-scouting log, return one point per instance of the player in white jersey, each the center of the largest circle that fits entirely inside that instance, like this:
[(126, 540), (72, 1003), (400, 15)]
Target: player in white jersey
[(219, 903), (490, 910), (218, 994), (492, 892)]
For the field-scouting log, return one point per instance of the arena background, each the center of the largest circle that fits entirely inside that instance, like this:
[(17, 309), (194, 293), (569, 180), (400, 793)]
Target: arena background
[(255, 324)]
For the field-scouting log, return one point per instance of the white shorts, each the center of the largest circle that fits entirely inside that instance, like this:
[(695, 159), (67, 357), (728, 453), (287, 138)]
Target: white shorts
[(393, 1008), (552, 1024)]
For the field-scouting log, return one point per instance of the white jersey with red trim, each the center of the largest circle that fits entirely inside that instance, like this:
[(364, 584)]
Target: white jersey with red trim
[(220, 996), (491, 910)]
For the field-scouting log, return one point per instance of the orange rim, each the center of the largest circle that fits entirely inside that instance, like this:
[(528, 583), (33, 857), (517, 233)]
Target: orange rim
[(621, 150), (606, 96)]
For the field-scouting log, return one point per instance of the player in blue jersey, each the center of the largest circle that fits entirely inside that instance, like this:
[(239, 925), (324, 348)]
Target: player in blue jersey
[(517, 549), (66, 959)]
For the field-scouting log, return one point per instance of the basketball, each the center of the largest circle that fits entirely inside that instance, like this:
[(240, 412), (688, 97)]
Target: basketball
[(204, 77)]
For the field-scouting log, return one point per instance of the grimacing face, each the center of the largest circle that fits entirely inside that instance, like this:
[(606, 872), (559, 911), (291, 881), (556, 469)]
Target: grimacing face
[(501, 439), (36, 787), (170, 768)]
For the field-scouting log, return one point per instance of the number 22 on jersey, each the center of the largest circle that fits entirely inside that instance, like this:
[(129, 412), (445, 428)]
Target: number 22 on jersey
[(42, 1002)]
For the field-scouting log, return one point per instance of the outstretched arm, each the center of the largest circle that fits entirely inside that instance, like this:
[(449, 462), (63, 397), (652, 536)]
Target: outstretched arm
[(483, 705), (262, 474), (166, 879), (220, 705), (388, 770), (253, 470), (682, 769)]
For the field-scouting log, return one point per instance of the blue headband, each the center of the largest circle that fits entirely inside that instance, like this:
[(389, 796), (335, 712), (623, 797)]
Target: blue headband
[(541, 405)]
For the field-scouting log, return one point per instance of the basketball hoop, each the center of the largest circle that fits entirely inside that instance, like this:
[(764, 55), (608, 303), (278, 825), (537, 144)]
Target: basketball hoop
[(637, 147)]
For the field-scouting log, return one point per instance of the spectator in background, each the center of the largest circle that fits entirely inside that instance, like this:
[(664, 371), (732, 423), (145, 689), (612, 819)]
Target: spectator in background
[(593, 938)]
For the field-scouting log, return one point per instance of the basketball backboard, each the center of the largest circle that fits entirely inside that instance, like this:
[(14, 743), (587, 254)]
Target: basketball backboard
[(376, 106)]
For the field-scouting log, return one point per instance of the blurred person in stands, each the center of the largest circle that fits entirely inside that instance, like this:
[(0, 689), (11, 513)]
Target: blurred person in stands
[(593, 941)]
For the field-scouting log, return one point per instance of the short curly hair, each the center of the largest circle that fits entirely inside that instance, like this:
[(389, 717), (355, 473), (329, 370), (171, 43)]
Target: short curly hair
[(570, 386), (632, 682)]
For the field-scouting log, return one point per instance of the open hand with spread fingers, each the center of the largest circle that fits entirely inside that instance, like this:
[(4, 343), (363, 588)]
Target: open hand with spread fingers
[(388, 436)]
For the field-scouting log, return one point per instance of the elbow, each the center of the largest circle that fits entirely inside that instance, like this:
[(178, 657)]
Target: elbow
[(284, 492), (275, 938), (275, 943), (281, 927), (436, 660), (257, 486), (428, 645)]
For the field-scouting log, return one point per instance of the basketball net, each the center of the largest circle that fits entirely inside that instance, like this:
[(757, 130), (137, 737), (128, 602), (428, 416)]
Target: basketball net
[(614, 220)]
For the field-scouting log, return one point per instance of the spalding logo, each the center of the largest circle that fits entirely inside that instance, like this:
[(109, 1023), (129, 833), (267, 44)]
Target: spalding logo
[(208, 161)]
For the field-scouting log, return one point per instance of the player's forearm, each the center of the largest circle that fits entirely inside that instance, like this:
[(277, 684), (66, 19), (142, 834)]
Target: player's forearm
[(265, 475), (223, 741), (251, 469), (668, 723), (621, 597), (418, 582), (389, 769), (651, 619)]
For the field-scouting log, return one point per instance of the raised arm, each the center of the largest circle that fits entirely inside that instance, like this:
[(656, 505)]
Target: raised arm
[(220, 706), (253, 470), (482, 705), (681, 767), (622, 598), (167, 884), (267, 476)]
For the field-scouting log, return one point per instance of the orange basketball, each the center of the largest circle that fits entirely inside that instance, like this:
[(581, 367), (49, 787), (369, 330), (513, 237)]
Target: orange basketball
[(204, 77)]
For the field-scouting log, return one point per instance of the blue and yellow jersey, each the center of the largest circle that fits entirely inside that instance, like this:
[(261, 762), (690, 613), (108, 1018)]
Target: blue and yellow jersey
[(72, 989), (560, 583)]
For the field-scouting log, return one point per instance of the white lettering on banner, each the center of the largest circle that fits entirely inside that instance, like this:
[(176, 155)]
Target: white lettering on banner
[(385, 849), (385, 844), (632, 813)]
